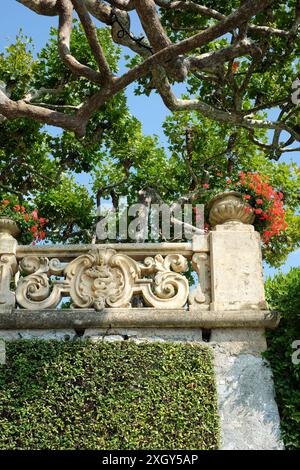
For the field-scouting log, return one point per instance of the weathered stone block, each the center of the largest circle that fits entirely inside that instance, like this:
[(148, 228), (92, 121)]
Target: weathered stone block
[(236, 268), (240, 341), (60, 335), (149, 334), (247, 408)]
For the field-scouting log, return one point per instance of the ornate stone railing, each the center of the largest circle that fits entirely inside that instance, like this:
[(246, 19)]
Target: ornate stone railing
[(140, 285), (104, 276)]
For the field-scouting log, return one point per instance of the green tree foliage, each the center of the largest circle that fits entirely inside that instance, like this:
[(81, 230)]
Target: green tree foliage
[(283, 294), (42, 167), (266, 79), (39, 166)]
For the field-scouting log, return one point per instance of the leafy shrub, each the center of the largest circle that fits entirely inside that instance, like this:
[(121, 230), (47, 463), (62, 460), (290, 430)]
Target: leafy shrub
[(79, 395), (283, 293)]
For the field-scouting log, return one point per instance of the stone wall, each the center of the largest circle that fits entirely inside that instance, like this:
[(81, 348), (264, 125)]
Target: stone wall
[(248, 411)]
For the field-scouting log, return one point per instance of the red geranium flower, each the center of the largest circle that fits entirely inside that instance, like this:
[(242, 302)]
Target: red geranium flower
[(35, 214)]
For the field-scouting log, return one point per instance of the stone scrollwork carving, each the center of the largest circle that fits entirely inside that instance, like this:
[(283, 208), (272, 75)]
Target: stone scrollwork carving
[(177, 263), (169, 289), (103, 278), (100, 278), (37, 290)]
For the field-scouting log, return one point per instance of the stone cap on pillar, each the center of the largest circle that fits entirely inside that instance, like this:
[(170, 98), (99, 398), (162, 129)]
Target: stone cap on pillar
[(229, 210)]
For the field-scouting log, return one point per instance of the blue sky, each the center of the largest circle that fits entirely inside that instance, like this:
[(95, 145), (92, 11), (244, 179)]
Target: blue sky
[(150, 111)]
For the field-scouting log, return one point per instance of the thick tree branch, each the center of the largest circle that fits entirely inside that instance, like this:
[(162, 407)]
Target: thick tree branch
[(152, 26), (212, 60), (126, 5), (42, 7), (16, 109), (64, 34), (91, 34)]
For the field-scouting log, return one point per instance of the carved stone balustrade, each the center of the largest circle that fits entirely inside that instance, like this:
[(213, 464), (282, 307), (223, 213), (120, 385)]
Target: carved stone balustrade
[(214, 281), (103, 277)]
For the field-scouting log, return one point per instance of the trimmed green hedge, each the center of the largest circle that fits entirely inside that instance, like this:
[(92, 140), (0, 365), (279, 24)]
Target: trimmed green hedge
[(80, 395), (283, 293)]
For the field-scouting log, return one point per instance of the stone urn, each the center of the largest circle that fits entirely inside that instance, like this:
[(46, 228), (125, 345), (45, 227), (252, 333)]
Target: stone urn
[(229, 208), (9, 228)]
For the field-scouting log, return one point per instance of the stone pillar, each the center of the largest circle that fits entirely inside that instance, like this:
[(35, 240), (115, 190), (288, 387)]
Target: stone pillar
[(236, 268), (235, 253), (248, 411), (8, 263)]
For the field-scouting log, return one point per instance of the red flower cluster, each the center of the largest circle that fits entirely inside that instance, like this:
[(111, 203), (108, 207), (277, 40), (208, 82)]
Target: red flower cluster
[(267, 204), (28, 221), (235, 66)]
